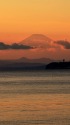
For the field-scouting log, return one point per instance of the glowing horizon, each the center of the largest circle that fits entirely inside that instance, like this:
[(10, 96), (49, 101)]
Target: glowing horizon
[(21, 18), (35, 16)]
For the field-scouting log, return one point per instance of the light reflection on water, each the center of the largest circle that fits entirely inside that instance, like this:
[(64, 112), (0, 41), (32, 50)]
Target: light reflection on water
[(35, 98)]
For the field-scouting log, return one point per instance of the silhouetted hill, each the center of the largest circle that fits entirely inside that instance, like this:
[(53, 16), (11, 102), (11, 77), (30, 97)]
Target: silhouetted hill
[(26, 64), (15, 65), (58, 65), (40, 60)]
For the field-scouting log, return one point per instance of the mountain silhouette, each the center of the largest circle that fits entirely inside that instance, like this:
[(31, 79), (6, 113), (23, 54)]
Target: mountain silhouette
[(31, 64), (39, 60), (37, 40), (24, 64)]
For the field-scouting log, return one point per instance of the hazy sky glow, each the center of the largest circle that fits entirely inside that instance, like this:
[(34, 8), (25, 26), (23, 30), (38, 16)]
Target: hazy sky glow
[(21, 18)]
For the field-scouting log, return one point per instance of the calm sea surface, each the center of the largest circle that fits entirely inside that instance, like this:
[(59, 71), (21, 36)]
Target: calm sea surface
[(35, 98)]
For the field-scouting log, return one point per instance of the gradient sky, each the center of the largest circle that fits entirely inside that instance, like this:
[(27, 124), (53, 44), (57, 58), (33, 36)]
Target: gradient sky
[(21, 18)]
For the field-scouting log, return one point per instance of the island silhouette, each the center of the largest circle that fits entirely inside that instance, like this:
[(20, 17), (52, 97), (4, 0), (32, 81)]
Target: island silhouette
[(58, 65)]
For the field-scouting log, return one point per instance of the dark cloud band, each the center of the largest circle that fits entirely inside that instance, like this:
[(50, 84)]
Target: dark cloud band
[(65, 44), (16, 46)]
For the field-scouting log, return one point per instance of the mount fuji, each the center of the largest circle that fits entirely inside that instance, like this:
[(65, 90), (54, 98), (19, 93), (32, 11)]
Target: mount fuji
[(37, 40)]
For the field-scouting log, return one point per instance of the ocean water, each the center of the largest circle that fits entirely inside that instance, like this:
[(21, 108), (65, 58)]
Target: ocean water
[(35, 98)]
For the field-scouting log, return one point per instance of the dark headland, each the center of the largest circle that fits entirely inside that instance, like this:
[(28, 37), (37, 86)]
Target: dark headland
[(58, 65)]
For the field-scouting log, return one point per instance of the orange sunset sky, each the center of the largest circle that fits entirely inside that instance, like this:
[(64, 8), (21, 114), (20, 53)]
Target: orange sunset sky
[(21, 18)]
